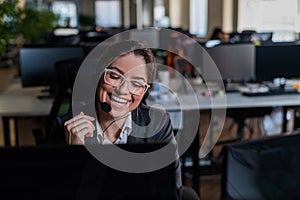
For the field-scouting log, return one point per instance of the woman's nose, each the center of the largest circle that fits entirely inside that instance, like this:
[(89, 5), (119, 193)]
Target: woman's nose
[(123, 88)]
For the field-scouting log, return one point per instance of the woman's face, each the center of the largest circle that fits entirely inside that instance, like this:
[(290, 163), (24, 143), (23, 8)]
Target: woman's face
[(122, 101)]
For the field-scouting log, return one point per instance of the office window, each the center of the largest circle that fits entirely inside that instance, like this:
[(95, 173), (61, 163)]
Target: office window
[(198, 17), (269, 15), (159, 10), (160, 19), (108, 13), (67, 12)]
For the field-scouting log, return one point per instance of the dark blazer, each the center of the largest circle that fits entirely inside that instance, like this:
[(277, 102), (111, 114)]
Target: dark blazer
[(154, 125), (149, 125)]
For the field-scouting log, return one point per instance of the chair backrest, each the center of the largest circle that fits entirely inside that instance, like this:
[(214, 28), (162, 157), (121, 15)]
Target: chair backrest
[(266, 168), (66, 71)]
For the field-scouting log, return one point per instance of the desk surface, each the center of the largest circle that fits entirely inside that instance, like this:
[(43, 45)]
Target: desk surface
[(230, 100), (19, 102), (23, 102)]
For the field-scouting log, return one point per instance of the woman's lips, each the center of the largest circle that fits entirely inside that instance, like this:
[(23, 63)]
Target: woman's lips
[(119, 100)]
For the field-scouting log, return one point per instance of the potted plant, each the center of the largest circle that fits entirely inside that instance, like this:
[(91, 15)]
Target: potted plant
[(9, 18), (21, 25), (35, 23)]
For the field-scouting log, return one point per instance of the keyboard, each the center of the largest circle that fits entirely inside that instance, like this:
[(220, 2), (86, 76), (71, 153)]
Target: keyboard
[(271, 92)]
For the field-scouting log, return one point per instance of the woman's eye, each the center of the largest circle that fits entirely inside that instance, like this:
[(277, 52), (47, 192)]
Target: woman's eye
[(115, 75), (137, 84)]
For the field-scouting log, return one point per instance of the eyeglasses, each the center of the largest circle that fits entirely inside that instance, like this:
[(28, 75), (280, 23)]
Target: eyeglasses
[(115, 79)]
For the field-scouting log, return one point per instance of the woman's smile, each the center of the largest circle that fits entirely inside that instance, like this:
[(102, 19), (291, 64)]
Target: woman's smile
[(119, 100)]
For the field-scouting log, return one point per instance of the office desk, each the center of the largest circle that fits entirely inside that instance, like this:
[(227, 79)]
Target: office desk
[(233, 101), (18, 102), (23, 102)]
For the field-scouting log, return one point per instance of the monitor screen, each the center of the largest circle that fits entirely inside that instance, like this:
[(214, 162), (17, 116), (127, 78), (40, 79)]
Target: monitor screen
[(235, 62), (37, 63), (277, 61), (72, 172), (263, 169)]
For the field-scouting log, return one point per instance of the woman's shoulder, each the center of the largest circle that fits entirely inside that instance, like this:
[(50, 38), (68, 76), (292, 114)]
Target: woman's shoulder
[(154, 109), (144, 115), (152, 123), (152, 113)]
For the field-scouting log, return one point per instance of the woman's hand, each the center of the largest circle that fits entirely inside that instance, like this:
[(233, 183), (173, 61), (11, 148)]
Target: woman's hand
[(79, 127)]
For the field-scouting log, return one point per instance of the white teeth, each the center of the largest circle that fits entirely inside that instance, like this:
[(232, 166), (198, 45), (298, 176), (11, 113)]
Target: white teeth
[(118, 100)]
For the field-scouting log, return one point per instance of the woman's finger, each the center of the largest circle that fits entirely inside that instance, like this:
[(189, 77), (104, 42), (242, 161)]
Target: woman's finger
[(79, 122), (79, 116), (83, 129), (78, 134), (78, 128)]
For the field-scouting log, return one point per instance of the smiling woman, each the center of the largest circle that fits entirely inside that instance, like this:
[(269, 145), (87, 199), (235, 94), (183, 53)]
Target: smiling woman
[(122, 117), (119, 94)]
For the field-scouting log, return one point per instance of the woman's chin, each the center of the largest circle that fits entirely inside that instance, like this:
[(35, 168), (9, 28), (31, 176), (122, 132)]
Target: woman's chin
[(118, 110)]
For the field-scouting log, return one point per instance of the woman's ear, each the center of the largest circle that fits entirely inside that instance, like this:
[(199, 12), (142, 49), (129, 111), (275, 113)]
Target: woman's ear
[(146, 95)]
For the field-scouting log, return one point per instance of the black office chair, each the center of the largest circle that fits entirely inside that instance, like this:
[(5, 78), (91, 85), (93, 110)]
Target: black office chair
[(66, 71), (265, 168)]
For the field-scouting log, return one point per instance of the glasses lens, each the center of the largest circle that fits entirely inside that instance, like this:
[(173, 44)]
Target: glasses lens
[(136, 87), (113, 78), (116, 79)]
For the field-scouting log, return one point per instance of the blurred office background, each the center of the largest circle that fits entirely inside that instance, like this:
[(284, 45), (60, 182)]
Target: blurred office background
[(72, 22), (248, 29)]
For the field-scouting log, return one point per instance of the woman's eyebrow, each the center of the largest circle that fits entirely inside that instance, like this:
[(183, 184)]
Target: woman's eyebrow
[(115, 68)]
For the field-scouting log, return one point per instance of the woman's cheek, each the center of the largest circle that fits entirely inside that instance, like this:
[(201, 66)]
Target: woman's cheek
[(135, 102)]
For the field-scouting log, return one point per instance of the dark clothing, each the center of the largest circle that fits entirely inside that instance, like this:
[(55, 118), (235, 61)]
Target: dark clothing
[(150, 125)]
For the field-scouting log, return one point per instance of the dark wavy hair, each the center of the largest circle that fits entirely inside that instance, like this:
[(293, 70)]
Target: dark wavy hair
[(122, 48)]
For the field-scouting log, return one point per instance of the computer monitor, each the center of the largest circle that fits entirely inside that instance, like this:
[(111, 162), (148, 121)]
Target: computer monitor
[(267, 168), (37, 63), (235, 62), (71, 172), (277, 61)]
